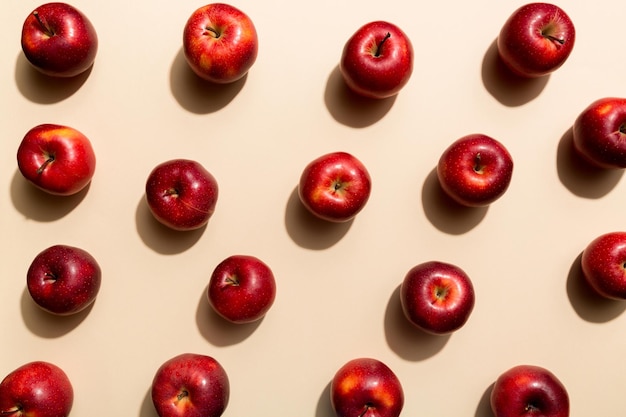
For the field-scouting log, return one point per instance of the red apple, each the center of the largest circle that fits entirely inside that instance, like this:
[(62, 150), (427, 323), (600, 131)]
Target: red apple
[(437, 297), (377, 60), (366, 387), (36, 389), (63, 279), (241, 289), (220, 43), (604, 265), (600, 133), (335, 186), (536, 40), (529, 391), (59, 40), (475, 170), (190, 385), (57, 159), (181, 194)]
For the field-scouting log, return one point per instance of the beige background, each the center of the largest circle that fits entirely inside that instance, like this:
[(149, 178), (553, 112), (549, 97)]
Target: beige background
[(337, 285)]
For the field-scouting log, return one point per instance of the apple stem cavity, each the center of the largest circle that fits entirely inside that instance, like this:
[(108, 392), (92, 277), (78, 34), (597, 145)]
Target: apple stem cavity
[(379, 47), (478, 166), (50, 276), (45, 164), (47, 29)]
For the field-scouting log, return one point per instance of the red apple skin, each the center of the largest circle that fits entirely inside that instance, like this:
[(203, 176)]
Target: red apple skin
[(63, 279), (529, 391), (57, 159), (181, 194), (536, 40), (604, 265), (190, 385), (220, 43), (475, 170), (437, 297), (366, 387), (36, 389), (242, 289), (335, 187), (599, 133), (377, 60), (59, 40)]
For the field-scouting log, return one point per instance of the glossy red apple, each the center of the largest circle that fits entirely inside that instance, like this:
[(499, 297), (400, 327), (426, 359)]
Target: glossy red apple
[(242, 289), (377, 60), (57, 159), (190, 385), (181, 194), (437, 297), (335, 186), (220, 43), (36, 389), (604, 265), (536, 39), (529, 391), (475, 170), (600, 133), (59, 40), (366, 387)]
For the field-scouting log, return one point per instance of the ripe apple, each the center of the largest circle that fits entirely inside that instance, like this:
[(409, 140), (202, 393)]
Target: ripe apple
[(604, 265), (181, 194), (536, 40), (63, 279), (59, 40), (527, 391), (335, 186), (377, 60), (57, 159), (220, 43), (366, 387), (475, 170), (437, 297), (190, 385), (600, 133), (241, 289), (37, 389)]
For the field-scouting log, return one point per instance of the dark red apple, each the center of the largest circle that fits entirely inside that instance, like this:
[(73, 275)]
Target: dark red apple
[(242, 289), (475, 170), (377, 60), (366, 387), (536, 40), (190, 385), (57, 159), (600, 133), (64, 279), (59, 40), (529, 391), (604, 265), (36, 389), (181, 194), (335, 186), (437, 297), (220, 43)]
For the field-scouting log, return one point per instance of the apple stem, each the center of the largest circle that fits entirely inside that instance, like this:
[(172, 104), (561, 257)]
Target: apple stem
[(233, 280), (366, 409), (45, 164), (43, 24), (478, 167), (11, 411), (182, 395), (379, 47), (212, 32), (50, 276), (622, 128)]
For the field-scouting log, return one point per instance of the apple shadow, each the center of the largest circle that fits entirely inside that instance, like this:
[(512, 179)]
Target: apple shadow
[(324, 406), (446, 214), (219, 331), (308, 231), (509, 89), (48, 325), (197, 95), (351, 109), (44, 89), (147, 407), (161, 238), (484, 404), (579, 176), (406, 340), (586, 302), (38, 205)]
